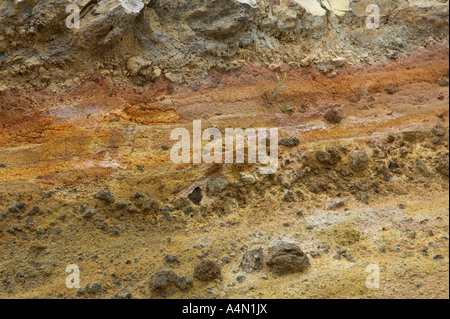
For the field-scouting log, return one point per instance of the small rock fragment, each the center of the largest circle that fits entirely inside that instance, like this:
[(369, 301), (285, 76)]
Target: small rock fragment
[(359, 160), (443, 81), (248, 178), (171, 259), (331, 157), (162, 280), (196, 196), (121, 204), (289, 196), (17, 208), (105, 196), (252, 261), (289, 141), (207, 271), (332, 116), (123, 294), (216, 186), (336, 203), (390, 90), (438, 130), (443, 165)]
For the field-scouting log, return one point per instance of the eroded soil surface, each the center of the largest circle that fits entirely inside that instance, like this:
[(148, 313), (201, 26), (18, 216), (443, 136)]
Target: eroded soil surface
[(370, 190)]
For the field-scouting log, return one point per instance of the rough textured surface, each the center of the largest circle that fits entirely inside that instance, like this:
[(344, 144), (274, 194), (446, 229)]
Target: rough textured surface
[(59, 152), (193, 41), (85, 170), (285, 258), (207, 271), (162, 280)]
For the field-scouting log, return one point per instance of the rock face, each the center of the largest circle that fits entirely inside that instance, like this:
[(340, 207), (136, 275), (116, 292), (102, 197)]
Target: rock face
[(217, 20), (107, 21), (340, 193), (100, 22), (181, 41), (287, 258)]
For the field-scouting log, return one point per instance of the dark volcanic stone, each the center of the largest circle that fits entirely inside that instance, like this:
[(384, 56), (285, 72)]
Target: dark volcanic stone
[(123, 294), (438, 130), (289, 141), (196, 196), (121, 204), (88, 214), (360, 160), (171, 259), (393, 165), (162, 280), (34, 211), (17, 208), (207, 271), (95, 288), (390, 90), (422, 168), (105, 196), (287, 258), (335, 155), (331, 157), (322, 157), (332, 116), (390, 139)]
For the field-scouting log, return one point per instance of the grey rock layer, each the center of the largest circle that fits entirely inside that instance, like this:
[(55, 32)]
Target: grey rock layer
[(183, 41)]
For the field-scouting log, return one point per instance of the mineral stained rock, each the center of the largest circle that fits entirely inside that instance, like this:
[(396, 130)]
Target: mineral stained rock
[(285, 258)]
